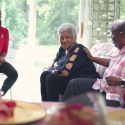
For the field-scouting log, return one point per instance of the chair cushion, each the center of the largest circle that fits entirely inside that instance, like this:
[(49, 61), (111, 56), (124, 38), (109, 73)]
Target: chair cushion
[(102, 47)]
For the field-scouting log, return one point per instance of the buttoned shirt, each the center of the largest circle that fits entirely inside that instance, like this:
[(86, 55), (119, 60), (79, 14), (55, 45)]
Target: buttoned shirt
[(4, 40), (117, 69)]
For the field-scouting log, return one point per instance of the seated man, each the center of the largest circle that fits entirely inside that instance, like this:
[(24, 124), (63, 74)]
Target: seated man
[(110, 84), (5, 67)]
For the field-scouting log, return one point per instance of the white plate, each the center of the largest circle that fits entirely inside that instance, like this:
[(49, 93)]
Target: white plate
[(117, 115), (24, 113)]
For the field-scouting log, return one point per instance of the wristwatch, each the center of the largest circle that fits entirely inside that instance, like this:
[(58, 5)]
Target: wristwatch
[(123, 83)]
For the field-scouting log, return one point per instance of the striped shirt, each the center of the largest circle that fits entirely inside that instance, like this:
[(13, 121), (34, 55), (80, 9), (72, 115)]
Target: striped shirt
[(117, 69)]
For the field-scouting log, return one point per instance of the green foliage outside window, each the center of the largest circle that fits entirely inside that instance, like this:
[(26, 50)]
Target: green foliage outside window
[(122, 12), (15, 18), (50, 14)]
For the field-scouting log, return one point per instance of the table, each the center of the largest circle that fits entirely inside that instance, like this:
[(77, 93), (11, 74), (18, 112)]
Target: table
[(49, 104), (45, 105)]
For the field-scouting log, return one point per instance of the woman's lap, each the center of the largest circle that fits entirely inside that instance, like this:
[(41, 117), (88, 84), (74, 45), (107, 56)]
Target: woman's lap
[(7, 69), (59, 81), (52, 85), (11, 74)]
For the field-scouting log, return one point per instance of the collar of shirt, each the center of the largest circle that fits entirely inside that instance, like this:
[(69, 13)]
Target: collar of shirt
[(120, 51)]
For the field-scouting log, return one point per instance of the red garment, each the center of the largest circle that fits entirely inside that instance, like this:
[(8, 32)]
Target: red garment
[(4, 40), (117, 69), (6, 109)]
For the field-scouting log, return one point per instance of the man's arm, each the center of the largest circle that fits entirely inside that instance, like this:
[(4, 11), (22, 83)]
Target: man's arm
[(101, 61)]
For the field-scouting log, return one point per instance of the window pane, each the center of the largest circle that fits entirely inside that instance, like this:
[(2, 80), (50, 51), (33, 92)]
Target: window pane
[(15, 17), (51, 14), (122, 11)]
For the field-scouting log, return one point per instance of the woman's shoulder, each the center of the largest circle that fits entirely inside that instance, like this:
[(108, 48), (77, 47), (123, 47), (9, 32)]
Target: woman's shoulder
[(61, 48), (79, 45), (77, 48)]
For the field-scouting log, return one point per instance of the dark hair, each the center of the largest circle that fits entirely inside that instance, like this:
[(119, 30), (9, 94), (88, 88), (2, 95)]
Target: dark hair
[(119, 25)]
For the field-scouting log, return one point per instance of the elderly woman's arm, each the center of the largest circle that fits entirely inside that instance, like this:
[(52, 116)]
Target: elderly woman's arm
[(74, 61), (58, 56)]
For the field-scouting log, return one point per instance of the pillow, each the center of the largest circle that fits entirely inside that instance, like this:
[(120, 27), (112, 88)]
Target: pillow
[(102, 54), (112, 52), (93, 51), (101, 69), (99, 53)]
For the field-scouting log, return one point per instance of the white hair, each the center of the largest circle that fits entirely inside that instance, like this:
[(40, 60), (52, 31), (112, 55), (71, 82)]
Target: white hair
[(67, 27)]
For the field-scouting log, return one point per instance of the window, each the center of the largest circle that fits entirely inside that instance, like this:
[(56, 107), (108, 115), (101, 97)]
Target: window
[(122, 9), (29, 55), (51, 14)]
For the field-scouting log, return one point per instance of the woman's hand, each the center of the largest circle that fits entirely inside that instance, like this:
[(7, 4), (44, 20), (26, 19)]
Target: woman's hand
[(1, 60), (55, 71), (113, 81), (1, 92), (88, 53), (55, 65)]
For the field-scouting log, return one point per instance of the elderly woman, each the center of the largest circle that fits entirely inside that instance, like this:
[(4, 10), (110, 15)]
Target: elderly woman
[(70, 62)]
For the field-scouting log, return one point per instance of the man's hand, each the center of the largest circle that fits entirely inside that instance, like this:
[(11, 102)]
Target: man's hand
[(88, 53), (1, 92), (113, 81)]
